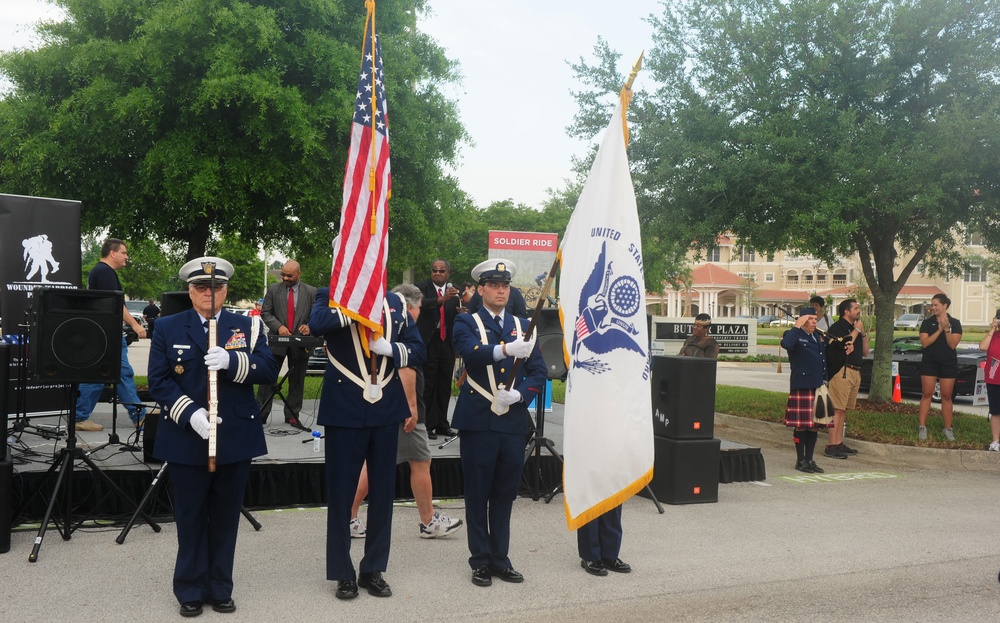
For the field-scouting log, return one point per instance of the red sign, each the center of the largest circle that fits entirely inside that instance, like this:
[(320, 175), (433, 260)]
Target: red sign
[(523, 241)]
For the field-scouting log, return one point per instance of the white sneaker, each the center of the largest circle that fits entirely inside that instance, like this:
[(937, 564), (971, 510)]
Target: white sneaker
[(995, 446), (949, 434), (922, 433), (440, 525), (357, 529)]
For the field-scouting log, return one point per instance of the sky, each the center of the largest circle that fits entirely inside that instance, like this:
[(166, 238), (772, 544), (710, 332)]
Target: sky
[(514, 100)]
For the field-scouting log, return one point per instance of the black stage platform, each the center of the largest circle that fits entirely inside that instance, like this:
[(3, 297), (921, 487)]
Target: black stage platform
[(290, 475)]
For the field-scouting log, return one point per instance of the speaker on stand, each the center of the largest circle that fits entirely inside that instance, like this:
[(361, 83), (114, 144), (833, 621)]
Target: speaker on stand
[(75, 338)]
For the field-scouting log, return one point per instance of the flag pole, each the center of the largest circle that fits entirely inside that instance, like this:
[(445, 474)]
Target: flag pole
[(534, 317)]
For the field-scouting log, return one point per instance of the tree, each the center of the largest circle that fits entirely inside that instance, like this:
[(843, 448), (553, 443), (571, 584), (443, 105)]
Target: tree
[(861, 126), (187, 120)]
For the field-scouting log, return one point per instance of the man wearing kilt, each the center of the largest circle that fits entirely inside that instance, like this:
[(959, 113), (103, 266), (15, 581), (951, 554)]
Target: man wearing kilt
[(807, 359)]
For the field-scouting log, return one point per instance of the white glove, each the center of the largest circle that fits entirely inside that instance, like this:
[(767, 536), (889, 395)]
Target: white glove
[(382, 347), (508, 397), (217, 358), (520, 348), (199, 422)]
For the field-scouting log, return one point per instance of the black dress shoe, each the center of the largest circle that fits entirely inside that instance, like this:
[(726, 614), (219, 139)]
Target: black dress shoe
[(617, 565), (594, 567), (431, 435), (803, 466), (816, 469), (227, 605), (295, 423), (508, 575), (447, 432), (346, 589), (191, 609), (481, 576), (375, 584)]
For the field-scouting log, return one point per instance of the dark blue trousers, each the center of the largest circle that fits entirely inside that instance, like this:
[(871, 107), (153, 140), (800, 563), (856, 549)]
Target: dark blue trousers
[(346, 451), (601, 539), (492, 464), (207, 511)]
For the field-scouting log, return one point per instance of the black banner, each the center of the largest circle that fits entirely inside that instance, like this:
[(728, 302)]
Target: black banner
[(39, 246)]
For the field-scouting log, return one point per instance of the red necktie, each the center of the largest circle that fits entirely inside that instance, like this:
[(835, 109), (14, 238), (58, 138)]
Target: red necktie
[(291, 310), (443, 331)]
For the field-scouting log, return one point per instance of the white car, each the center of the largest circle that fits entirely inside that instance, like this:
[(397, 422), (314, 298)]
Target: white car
[(908, 322), (783, 322)]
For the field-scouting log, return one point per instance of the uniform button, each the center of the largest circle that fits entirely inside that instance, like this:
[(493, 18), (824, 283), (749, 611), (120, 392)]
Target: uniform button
[(502, 370)]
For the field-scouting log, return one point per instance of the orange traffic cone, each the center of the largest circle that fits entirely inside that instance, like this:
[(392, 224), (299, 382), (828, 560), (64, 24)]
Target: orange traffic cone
[(897, 392)]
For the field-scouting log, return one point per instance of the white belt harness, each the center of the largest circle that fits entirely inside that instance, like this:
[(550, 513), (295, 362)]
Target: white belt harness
[(363, 383), (490, 395)]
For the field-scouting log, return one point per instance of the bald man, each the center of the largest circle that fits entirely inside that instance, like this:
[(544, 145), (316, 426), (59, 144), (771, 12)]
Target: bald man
[(286, 310)]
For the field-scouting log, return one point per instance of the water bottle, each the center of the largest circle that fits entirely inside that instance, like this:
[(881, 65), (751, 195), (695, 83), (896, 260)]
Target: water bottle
[(317, 446)]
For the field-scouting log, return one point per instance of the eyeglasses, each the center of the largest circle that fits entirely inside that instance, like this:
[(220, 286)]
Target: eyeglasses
[(439, 270), (498, 285), (203, 287)]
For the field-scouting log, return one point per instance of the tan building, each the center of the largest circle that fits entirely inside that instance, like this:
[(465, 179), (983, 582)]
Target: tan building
[(731, 281)]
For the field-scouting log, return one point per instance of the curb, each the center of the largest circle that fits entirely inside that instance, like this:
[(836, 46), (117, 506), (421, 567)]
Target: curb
[(776, 435)]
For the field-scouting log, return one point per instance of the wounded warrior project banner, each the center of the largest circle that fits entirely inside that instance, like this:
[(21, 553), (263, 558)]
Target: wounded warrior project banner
[(39, 246)]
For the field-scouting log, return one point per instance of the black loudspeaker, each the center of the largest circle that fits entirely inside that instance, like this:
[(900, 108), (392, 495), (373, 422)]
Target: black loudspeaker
[(174, 302), (149, 426), (549, 333), (683, 391), (6, 500), (686, 472), (76, 336), (4, 392)]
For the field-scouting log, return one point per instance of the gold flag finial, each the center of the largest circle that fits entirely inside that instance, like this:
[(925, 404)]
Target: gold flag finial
[(635, 71), (626, 93)]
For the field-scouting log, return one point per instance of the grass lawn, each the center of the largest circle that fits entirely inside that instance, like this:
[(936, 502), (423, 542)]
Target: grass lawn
[(879, 422)]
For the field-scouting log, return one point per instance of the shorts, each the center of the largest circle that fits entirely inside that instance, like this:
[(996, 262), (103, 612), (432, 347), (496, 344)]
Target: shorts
[(413, 446), (844, 389), (939, 369), (993, 394)]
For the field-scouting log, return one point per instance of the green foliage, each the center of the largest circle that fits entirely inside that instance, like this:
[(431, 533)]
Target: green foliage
[(191, 120), (865, 126)]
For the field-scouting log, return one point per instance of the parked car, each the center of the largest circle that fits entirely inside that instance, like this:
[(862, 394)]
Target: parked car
[(765, 321), (135, 308), (317, 361), (908, 322), (784, 321), (907, 352)]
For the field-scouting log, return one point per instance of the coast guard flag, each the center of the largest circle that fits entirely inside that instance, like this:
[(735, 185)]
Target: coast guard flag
[(608, 440), (358, 280)]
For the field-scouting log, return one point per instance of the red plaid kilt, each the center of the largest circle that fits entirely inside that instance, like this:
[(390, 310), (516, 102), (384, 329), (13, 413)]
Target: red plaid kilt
[(799, 412)]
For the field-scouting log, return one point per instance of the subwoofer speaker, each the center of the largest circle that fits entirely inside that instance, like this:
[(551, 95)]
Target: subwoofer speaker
[(686, 472), (683, 391), (550, 342), (76, 336)]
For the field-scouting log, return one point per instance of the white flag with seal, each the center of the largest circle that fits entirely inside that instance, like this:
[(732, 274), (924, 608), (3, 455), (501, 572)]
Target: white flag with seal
[(608, 444)]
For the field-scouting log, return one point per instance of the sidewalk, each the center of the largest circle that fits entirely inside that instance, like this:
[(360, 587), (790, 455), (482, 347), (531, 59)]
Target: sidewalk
[(889, 535)]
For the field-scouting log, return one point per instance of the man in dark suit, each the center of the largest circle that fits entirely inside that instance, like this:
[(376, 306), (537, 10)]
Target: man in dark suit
[(207, 504), (286, 310), (436, 322), (493, 420), (362, 424)]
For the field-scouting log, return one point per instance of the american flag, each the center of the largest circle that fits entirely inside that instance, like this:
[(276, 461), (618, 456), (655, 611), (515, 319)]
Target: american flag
[(358, 280)]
